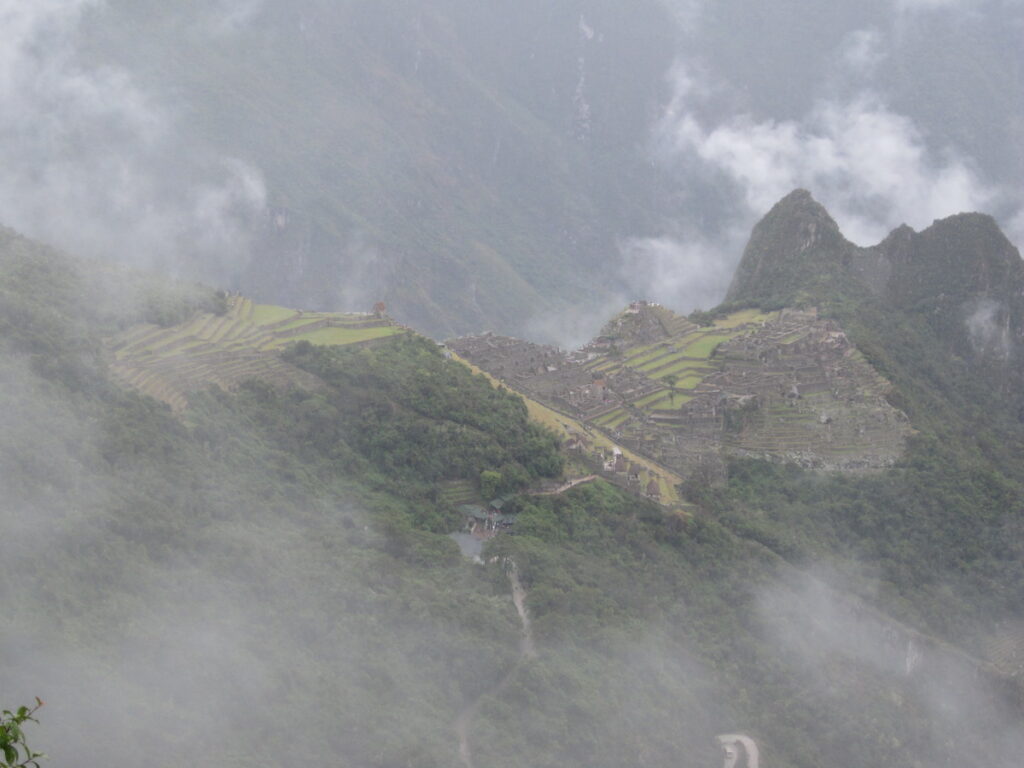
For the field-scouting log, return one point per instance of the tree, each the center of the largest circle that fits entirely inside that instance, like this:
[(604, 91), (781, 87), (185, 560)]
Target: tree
[(702, 318), (490, 481), (671, 380), (16, 753)]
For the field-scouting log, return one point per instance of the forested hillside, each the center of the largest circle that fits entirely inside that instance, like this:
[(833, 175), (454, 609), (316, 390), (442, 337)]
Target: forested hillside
[(266, 577)]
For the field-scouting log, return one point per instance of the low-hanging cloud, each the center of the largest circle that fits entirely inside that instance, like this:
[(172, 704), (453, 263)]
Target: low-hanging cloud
[(684, 272), (870, 166), (92, 162), (839, 647)]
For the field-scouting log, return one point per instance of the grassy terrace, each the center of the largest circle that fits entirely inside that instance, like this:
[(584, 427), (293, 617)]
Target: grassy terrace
[(617, 417), (267, 314), (651, 399), (167, 363), (646, 354), (663, 400), (744, 317), (245, 327), (658, 361), (705, 345), (686, 355), (687, 366), (336, 337)]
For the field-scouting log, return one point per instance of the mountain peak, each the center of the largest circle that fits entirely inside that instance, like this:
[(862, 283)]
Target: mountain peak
[(799, 198), (798, 213), (794, 248)]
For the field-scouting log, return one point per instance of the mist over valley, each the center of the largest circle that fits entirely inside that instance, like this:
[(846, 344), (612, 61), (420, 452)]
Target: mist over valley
[(448, 383)]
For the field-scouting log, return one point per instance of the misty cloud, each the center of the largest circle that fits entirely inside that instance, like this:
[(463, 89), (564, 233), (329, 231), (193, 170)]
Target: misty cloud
[(677, 271), (836, 118), (834, 642), (91, 161), (868, 165), (863, 52), (227, 17), (988, 326)]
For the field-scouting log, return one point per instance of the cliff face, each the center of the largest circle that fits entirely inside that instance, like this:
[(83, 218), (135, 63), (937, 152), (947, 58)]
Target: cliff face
[(966, 279), (961, 274), (795, 253)]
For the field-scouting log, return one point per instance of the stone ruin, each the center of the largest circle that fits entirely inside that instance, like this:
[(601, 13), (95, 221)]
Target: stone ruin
[(791, 388)]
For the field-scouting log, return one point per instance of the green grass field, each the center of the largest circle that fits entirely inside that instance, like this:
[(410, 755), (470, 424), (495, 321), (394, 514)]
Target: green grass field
[(224, 350), (743, 317), (668, 401), (682, 367), (616, 421), (668, 404), (702, 347), (646, 354), (651, 398), (659, 362), (336, 336), (267, 314), (609, 417)]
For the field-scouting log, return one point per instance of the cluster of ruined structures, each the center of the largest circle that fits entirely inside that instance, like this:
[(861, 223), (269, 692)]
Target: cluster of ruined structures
[(791, 387)]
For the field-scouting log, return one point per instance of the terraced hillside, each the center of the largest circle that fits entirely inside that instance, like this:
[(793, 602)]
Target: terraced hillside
[(590, 449), (225, 350), (784, 385)]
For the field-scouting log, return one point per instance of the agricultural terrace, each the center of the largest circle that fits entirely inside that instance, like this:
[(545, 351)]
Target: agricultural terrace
[(679, 363), (567, 427), (786, 384), (225, 350)]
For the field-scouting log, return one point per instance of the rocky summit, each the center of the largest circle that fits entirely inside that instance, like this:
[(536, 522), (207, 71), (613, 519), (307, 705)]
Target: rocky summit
[(961, 275)]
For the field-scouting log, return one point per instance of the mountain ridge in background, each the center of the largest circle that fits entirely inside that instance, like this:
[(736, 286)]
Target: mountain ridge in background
[(491, 161)]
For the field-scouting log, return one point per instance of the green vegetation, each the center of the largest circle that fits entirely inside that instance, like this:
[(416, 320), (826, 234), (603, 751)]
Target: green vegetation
[(276, 563), (651, 398), (266, 314), (616, 419), (611, 419), (267, 564), (337, 336), (684, 366), (642, 355), (704, 346), (416, 418), (660, 361), (16, 752)]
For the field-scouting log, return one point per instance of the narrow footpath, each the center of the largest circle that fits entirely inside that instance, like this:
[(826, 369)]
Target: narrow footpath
[(567, 486), (527, 650)]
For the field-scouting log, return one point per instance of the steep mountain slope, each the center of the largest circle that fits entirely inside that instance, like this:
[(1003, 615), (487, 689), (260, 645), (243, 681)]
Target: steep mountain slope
[(928, 378), (264, 577), (796, 255), (961, 277)]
